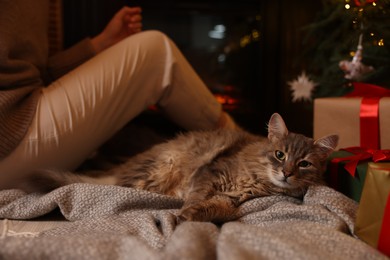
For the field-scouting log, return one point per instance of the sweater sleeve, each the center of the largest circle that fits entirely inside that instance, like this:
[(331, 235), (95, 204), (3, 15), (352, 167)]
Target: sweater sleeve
[(63, 62)]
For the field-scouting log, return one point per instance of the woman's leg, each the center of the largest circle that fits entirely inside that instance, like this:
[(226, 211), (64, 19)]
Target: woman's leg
[(83, 109)]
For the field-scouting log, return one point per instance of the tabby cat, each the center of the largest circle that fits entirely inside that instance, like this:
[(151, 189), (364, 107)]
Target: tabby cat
[(215, 171)]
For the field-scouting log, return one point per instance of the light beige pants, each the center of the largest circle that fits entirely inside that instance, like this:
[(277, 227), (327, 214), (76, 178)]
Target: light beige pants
[(83, 109)]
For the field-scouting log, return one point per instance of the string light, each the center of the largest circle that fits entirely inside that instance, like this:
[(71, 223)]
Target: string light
[(245, 41), (347, 6), (381, 43), (255, 34)]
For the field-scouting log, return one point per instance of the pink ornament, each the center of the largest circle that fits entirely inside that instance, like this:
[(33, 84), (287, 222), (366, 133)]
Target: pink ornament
[(355, 69)]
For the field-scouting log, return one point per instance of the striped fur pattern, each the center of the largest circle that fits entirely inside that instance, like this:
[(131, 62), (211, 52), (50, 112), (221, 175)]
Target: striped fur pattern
[(216, 171)]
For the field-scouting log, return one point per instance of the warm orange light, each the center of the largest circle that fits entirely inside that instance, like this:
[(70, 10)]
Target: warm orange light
[(226, 100), (255, 34), (245, 41)]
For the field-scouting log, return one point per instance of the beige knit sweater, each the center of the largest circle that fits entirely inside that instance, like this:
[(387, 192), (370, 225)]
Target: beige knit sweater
[(25, 67)]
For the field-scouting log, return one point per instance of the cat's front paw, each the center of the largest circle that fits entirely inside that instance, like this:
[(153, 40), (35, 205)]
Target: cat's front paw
[(192, 213), (180, 219)]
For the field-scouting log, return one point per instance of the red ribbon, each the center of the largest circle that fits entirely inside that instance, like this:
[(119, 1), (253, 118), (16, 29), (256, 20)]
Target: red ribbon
[(363, 154), (369, 123), (359, 154), (368, 90), (369, 112), (384, 236)]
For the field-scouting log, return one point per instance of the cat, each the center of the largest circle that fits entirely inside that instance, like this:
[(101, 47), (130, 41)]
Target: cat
[(215, 171)]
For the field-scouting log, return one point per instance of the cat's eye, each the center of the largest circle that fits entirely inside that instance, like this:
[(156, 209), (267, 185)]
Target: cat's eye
[(280, 155), (304, 164)]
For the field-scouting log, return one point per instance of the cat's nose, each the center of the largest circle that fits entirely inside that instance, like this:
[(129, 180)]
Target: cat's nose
[(287, 173)]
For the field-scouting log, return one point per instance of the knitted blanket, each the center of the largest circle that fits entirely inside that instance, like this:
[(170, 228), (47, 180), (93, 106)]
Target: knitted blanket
[(110, 222)]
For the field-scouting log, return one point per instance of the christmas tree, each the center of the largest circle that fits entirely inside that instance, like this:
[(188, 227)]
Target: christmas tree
[(348, 42)]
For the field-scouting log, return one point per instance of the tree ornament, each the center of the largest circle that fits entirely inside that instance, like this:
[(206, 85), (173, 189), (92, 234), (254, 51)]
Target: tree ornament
[(355, 69), (302, 88)]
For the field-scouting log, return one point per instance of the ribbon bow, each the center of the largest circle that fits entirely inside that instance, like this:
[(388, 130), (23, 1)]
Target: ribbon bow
[(361, 154)]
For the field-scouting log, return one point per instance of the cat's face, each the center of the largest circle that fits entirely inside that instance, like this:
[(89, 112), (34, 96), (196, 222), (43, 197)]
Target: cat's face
[(295, 162)]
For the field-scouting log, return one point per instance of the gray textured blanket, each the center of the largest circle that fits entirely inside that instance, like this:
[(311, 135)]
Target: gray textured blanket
[(110, 222)]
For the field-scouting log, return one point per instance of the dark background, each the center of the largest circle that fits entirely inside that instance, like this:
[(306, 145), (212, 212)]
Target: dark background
[(259, 71)]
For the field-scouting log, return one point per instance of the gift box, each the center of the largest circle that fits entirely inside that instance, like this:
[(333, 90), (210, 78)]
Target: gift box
[(341, 180), (341, 115), (346, 169), (373, 216)]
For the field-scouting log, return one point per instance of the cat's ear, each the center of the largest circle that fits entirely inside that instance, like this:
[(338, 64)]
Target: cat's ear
[(328, 143), (276, 128)]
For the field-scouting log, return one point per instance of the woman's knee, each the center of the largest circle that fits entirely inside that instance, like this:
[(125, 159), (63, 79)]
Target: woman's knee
[(153, 42), (154, 36)]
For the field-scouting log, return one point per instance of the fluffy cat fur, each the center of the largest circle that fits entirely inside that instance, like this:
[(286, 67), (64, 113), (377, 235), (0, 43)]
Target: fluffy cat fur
[(214, 171)]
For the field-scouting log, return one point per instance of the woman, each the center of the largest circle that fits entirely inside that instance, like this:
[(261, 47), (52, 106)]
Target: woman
[(55, 111)]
